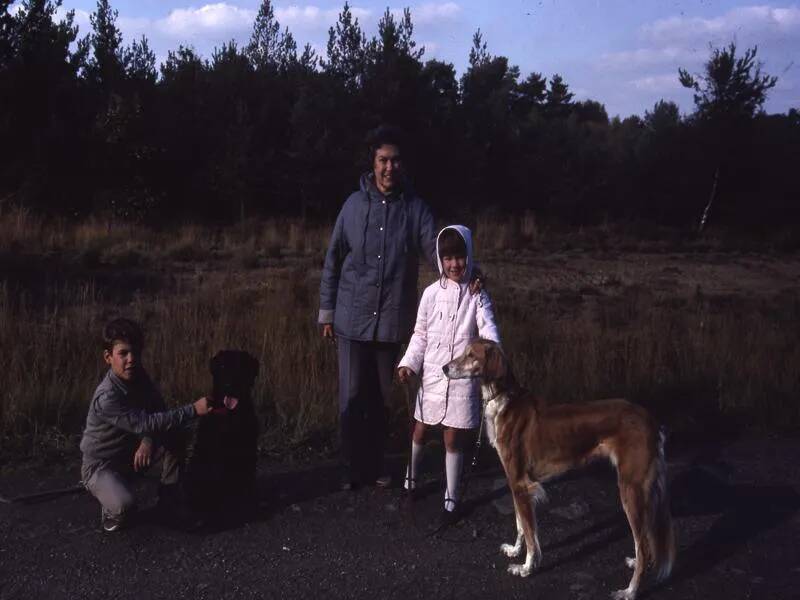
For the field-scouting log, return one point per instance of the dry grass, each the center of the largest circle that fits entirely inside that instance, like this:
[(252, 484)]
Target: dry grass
[(694, 359)]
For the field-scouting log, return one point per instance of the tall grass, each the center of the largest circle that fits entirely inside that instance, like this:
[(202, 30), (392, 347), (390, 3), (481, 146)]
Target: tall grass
[(695, 360)]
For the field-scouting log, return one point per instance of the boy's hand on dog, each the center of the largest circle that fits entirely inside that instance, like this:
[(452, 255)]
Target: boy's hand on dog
[(202, 406), (143, 456), (404, 374)]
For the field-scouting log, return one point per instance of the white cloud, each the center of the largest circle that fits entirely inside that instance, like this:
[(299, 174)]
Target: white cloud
[(667, 82), (664, 45), (211, 18), (581, 93), (432, 14), (432, 48), (313, 17), (646, 57), (763, 21)]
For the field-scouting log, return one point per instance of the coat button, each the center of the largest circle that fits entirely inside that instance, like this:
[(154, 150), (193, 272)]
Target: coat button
[(375, 313), (381, 228)]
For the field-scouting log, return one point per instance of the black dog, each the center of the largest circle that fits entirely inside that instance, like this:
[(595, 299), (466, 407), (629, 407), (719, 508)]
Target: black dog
[(222, 466)]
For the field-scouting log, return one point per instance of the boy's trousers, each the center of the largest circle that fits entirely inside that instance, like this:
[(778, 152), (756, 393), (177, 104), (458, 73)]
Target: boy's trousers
[(111, 482), (365, 383)]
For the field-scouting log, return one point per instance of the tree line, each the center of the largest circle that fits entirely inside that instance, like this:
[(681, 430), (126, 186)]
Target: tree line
[(90, 125)]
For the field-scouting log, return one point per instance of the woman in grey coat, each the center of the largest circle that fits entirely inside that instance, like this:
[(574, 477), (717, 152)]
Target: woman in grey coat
[(368, 298)]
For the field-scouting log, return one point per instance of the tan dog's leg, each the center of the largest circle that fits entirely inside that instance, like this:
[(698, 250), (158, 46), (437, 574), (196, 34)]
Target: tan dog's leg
[(526, 515), (633, 499), (512, 550)]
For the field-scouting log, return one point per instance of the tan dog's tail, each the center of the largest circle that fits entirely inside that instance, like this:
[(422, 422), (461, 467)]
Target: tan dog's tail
[(661, 536)]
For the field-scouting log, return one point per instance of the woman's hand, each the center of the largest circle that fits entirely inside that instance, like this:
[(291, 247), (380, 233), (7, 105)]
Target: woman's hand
[(477, 283), (327, 332), (404, 374), (144, 453)]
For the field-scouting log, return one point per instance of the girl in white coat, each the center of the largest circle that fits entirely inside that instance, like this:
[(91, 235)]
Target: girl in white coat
[(449, 316)]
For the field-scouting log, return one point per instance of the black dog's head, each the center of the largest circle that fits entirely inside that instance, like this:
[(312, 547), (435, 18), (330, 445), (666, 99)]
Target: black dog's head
[(234, 373)]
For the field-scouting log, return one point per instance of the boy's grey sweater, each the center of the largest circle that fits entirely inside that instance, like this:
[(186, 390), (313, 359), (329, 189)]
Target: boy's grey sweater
[(120, 415)]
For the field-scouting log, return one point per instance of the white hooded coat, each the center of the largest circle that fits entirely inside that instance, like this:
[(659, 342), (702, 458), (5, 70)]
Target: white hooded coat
[(449, 316)]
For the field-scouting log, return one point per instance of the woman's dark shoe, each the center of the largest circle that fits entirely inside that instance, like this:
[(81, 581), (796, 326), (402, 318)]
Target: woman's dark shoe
[(409, 492), (348, 482), (383, 481)]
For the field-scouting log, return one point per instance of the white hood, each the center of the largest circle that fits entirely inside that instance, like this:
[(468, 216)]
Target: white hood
[(465, 233)]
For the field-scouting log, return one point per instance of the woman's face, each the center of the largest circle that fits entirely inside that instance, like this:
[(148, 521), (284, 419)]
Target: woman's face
[(388, 168)]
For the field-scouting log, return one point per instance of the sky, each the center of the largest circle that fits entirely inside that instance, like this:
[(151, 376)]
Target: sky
[(622, 53)]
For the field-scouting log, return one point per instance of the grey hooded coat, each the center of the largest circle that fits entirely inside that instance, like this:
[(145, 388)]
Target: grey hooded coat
[(369, 280)]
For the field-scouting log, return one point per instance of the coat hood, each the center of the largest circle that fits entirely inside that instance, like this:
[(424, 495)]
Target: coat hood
[(366, 184), (466, 234)]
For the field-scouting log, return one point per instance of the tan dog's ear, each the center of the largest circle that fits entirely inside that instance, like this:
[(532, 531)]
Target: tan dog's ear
[(496, 366)]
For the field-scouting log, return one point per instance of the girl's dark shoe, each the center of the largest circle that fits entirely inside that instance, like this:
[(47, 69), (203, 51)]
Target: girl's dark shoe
[(448, 518)]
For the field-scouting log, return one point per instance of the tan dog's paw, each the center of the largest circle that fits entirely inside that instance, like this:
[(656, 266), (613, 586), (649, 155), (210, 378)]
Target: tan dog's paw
[(630, 562), (522, 570), (626, 594), (510, 550)]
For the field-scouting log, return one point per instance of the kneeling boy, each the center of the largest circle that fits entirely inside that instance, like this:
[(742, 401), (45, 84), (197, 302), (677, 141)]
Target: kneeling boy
[(127, 423)]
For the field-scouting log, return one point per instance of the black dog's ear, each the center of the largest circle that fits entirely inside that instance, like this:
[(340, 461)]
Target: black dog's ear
[(496, 364), (253, 366), (214, 363)]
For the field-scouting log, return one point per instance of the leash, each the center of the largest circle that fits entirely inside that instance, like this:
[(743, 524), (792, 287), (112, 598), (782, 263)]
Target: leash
[(473, 465), (39, 496)]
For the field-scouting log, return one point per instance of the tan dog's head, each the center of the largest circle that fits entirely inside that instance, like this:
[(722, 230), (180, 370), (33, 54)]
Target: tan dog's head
[(482, 358)]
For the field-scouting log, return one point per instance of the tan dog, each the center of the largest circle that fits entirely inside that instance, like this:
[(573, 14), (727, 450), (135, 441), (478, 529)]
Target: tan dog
[(536, 442)]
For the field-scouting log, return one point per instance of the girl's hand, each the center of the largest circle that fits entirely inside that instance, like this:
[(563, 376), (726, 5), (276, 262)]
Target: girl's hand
[(144, 453), (404, 374)]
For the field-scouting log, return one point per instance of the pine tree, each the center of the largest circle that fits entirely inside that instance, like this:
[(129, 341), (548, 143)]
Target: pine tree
[(347, 48), (558, 98), (269, 48), (309, 60), (107, 63), (731, 87), (664, 116), (140, 62), (478, 55)]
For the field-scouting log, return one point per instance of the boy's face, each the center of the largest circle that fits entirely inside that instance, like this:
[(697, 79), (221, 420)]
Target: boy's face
[(124, 360), (454, 267)]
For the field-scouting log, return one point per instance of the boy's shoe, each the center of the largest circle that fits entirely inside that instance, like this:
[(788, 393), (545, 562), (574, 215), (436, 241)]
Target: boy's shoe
[(110, 523)]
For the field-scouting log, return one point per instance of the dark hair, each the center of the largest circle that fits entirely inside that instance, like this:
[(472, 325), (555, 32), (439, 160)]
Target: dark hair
[(451, 244), (122, 330), (381, 136)]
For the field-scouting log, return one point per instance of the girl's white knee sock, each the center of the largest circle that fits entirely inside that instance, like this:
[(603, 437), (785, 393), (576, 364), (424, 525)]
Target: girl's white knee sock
[(412, 471), (452, 466)]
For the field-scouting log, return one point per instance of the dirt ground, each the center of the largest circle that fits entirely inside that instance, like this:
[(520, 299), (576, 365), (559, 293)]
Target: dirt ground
[(736, 505), (736, 501)]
